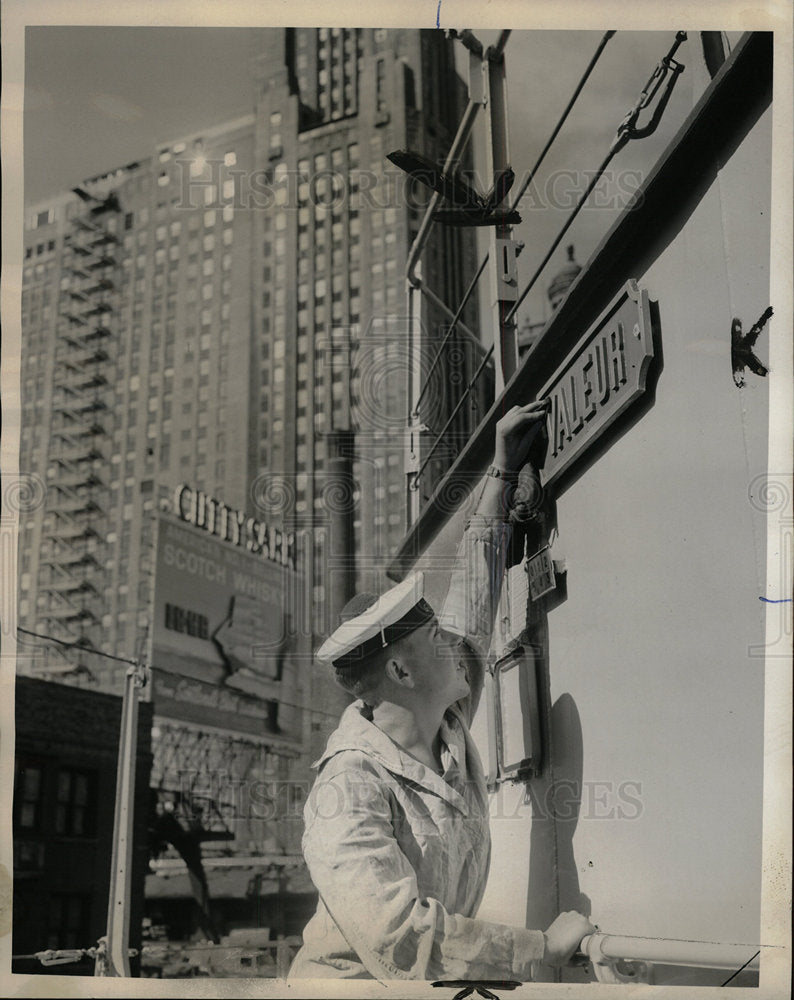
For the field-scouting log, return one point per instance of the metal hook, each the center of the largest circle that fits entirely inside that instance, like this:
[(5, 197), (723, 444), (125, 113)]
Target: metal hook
[(628, 127)]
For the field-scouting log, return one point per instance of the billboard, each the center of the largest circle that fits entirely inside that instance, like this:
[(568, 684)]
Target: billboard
[(221, 624)]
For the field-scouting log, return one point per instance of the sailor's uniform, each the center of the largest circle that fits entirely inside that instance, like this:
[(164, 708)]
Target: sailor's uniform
[(398, 853)]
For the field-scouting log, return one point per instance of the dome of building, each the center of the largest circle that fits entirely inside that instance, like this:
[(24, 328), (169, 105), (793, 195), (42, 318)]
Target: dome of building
[(563, 280), (527, 337)]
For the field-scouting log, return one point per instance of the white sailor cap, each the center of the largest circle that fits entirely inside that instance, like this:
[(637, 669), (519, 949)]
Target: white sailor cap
[(380, 620)]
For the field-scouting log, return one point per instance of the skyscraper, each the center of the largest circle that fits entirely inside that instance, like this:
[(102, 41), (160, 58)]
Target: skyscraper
[(331, 104)]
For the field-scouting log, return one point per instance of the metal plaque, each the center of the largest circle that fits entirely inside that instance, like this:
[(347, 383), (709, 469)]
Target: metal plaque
[(540, 570), (599, 379)]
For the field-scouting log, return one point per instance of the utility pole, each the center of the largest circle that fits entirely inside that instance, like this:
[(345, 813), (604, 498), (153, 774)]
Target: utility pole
[(114, 958), (340, 485), (502, 247)]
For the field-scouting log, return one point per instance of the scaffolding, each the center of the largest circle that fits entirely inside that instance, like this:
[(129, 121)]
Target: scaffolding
[(225, 779)]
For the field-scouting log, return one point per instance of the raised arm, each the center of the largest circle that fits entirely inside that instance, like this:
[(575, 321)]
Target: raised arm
[(476, 581)]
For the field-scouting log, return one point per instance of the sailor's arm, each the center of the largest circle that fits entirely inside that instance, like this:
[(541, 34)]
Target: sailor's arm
[(515, 433), (476, 581), (371, 893)]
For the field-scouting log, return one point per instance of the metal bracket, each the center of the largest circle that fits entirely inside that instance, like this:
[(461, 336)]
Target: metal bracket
[(623, 971), (507, 271), (611, 970), (742, 345), (412, 446)]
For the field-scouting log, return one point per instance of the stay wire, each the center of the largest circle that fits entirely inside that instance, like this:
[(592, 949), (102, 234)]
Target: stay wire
[(81, 646), (549, 143), (626, 131), (568, 222), (740, 969), (563, 117), (654, 937), (88, 650)]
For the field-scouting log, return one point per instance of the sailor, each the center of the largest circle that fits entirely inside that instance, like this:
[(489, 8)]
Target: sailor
[(396, 837)]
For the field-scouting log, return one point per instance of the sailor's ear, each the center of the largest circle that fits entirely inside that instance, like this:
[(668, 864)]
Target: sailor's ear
[(397, 672)]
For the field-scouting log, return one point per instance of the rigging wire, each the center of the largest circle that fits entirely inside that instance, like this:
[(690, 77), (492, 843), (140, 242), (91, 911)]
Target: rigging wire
[(740, 969), (549, 143), (627, 130), (449, 333), (88, 650), (579, 87), (79, 645), (568, 222)]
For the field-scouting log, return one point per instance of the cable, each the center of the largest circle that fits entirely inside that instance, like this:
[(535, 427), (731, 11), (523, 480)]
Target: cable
[(452, 329), (56, 956), (651, 937), (137, 663), (741, 968), (442, 432), (79, 645), (568, 222), (563, 117), (65, 956), (626, 131)]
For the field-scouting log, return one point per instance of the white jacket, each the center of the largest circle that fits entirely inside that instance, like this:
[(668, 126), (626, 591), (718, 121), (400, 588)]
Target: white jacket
[(400, 854)]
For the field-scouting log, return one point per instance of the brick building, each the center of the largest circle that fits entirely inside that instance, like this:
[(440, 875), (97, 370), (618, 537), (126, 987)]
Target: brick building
[(64, 795)]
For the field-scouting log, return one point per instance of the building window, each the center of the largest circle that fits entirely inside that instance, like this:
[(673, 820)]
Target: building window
[(68, 920), (75, 803), (27, 797)]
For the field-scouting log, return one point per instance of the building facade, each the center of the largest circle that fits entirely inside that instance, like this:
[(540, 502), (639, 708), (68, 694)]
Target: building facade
[(65, 775)]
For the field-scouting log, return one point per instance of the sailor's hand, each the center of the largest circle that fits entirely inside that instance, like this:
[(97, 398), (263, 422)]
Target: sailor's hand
[(515, 433), (564, 936)]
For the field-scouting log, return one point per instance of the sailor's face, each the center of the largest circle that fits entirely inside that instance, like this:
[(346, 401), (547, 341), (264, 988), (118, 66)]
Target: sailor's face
[(446, 664)]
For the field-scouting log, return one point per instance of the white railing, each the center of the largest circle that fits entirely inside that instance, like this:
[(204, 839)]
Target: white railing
[(623, 959)]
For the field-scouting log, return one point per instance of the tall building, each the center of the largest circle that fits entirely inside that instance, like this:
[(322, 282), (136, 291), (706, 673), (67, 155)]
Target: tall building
[(135, 313), (331, 349), (215, 357)]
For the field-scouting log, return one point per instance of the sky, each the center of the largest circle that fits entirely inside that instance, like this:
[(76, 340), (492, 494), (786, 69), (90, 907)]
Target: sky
[(100, 97)]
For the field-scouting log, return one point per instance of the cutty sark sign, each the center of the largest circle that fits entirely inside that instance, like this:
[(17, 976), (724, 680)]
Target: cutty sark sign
[(599, 379)]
